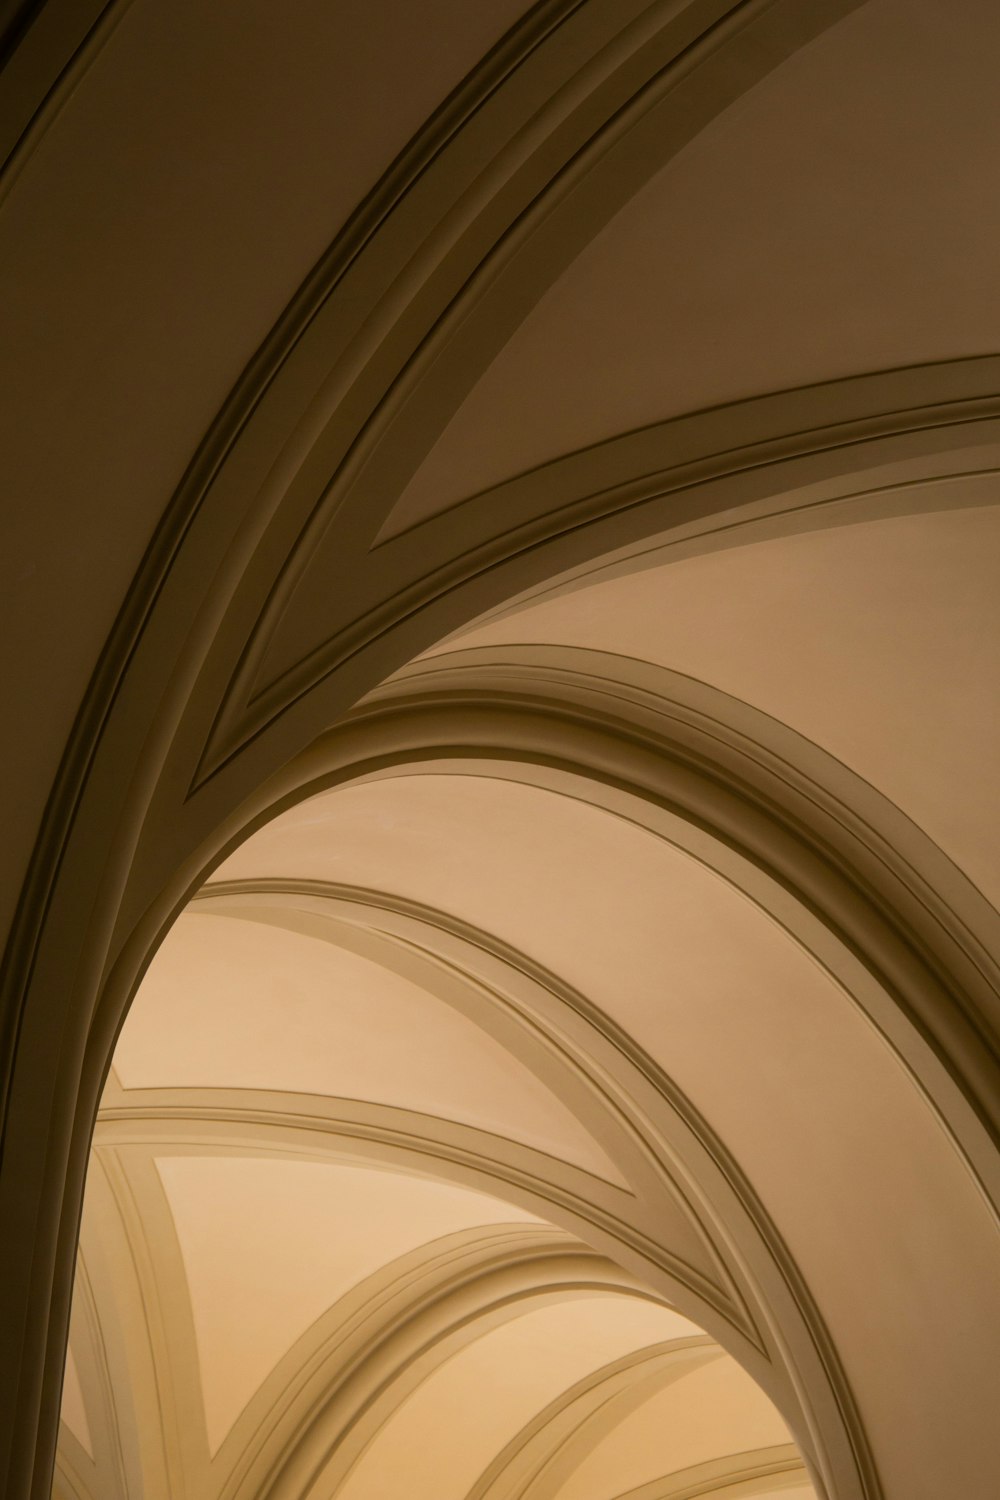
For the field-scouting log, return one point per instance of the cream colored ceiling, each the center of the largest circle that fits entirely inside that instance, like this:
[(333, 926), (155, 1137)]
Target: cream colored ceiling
[(520, 1367), (490, 1123), (271, 1217), (876, 640), (751, 1028), (715, 1392), (249, 1309), (231, 1292), (234, 1005)]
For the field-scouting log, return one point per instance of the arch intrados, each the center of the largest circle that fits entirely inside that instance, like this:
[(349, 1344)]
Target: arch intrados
[(620, 763), (359, 761), (314, 1460), (737, 865), (128, 961)]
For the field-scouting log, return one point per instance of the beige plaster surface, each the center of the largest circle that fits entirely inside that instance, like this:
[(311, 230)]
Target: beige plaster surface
[(269, 1245), (231, 1004), (676, 1429), (875, 640), (749, 1026), (188, 184), (177, 184), (445, 1434)]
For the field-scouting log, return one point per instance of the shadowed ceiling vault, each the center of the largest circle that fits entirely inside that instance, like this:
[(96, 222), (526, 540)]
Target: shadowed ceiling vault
[(500, 552)]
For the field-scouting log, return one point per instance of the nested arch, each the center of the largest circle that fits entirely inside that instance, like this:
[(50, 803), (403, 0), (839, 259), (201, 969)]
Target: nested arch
[(676, 767), (216, 683), (463, 731)]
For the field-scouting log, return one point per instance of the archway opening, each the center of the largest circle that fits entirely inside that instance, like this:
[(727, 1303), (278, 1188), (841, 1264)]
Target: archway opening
[(375, 1203), (561, 998)]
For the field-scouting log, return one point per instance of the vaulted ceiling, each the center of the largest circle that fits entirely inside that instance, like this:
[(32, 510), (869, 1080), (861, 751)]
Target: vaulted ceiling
[(501, 810)]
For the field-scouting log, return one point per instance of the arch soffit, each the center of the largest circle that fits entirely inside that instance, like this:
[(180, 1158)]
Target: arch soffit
[(739, 39), (972, 380), (342, 1377), (404, 1320), (234, 1118), (454, 727), (319, 1442), (689, 1161), (899, 926), (405, 699), (82, 762), (713, 49), (529, 1454), (618, 1388)]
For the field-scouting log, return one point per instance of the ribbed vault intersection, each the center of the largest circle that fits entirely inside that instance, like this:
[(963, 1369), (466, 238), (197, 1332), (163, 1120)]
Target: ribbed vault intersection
[(500, 839)]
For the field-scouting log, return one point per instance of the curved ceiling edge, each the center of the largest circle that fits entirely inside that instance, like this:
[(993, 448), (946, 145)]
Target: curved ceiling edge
[(42, 66), (348, 1129), (760, 1268), (743, 1474), (640, 462), (126, 651), (438, 954), (352, 1389), (659, 481), (591, 139), (531, 1447), (425, 1283), (876, 882)]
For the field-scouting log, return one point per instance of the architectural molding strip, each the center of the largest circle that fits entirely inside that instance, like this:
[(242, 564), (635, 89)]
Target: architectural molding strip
[(178, 532), (167, 1324), (581, 1060), (584, 1412), (406, 1140), (878, 885), (42, 64), (591, 145), (114, 1248), (918, 486), (365, 1364), (438, 1283), (681, 451), (682, 1136), (685, 470), (88, 1342), (738, 1475)]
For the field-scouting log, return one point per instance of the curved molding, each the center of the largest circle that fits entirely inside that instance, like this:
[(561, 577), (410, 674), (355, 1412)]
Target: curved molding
[(342, 1380), (40, 69), (881, 889), (884, 909), (584, 1413), (419, 1306), (341, 1129), (656, 480), (741, 1474), (645, 82), (389, 1336), (89, 1344), (72, 1479), (446, 1284), (117, 1291), (918, 409), (158, 1379), (345, 378), (690, 1157), (544, 1024)]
